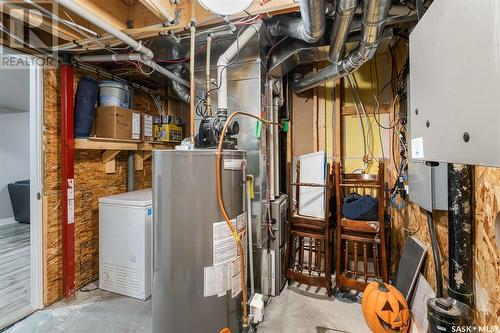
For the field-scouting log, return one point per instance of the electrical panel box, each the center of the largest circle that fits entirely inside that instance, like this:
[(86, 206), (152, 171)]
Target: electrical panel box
[(427, 180), (428, 185), (455, 80)]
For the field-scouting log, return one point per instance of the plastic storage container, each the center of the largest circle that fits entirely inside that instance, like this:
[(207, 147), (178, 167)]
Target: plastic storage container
[(113, 93), (86, 99)]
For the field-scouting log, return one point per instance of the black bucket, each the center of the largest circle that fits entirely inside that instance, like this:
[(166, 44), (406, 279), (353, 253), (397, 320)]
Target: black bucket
[(86, 99)]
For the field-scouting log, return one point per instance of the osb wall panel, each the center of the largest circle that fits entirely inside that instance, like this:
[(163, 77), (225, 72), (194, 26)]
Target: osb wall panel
[(303, 132), (91, 182), (52, 189), (487, 253), (413, 221)]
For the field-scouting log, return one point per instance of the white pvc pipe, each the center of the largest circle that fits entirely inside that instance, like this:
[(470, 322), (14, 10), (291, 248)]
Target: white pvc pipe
[(227, 56), (96, 20), (270, 140), (109, 57), (207, 74), (275, 145)]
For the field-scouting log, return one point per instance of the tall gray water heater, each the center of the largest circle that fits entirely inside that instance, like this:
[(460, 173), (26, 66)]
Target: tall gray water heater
[(195, 273)]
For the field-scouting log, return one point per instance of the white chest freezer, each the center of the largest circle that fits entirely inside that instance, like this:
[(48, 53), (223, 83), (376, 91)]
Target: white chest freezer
[(125, 247)]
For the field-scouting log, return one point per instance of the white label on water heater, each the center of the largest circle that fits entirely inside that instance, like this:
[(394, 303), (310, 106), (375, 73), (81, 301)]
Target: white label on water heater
[(241, 224), (224, 245), (217, 280), (225, 274), (235, 278), (233, 164), (241, 221)]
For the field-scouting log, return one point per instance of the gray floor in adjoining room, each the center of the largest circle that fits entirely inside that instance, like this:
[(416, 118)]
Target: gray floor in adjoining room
[(298, 309), (14, 268)]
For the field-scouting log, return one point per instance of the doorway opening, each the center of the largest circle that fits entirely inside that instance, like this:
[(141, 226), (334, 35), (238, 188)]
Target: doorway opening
[(21, 106)]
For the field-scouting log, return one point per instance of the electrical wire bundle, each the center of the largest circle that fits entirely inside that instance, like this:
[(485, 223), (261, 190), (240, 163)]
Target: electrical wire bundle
[(399, 133), (398, 125)]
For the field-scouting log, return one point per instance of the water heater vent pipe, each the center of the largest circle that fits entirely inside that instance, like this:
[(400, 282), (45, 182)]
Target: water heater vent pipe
[(224, 62)]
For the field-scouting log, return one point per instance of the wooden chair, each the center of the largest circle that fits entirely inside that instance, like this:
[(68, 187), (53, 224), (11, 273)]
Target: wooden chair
[(360, 241), (309, 252)]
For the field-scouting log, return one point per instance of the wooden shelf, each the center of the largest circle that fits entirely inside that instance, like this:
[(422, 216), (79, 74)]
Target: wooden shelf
[(95, 143), (112, 147)]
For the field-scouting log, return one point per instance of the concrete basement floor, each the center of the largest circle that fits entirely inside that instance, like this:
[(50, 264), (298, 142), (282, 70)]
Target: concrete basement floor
[(304, 309), (298, 309), (93, 311)]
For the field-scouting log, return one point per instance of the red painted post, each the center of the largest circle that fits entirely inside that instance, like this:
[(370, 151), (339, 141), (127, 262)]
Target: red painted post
[(67, 182)]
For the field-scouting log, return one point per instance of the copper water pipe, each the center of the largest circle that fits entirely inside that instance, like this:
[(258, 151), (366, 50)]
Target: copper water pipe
[(222, 208)]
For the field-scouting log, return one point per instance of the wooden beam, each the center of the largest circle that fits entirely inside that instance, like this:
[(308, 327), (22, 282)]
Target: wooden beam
[(34, 20), (139, 160), (140, 157), (114, 12), (337, 123), (96, 143), (110, 166), (204, 17), (370, 109), (329, 115), (159, 7), (109, 159), (109, 155), (321, 96), (104, 144), (150, 6)]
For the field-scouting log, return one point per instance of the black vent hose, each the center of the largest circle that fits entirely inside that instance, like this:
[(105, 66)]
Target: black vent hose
[(460, 233)]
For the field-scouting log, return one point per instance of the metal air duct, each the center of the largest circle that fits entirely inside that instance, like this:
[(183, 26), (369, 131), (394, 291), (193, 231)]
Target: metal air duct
[(224, 62), (180, 90), (375, 13), (310, 28), (344, 14)]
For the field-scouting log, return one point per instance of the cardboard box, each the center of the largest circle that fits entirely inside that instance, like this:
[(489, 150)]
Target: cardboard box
[(147, 127), (168, 133), (117, 123), (113, 122)]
